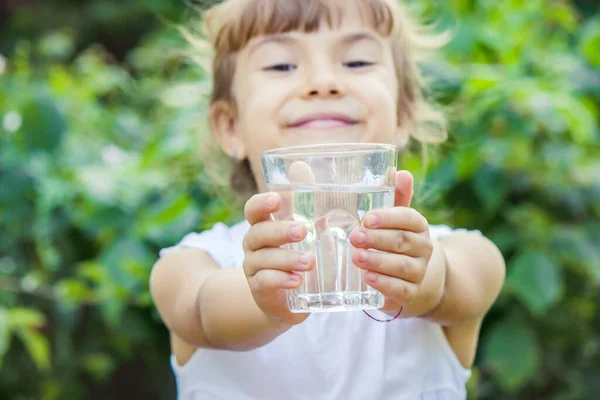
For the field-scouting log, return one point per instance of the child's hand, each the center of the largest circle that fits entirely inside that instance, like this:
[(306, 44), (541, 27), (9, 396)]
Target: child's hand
[(401, 236), (270, 269)]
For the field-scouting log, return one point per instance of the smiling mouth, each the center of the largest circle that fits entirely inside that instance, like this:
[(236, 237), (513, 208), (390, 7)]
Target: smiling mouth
[(324, 121)]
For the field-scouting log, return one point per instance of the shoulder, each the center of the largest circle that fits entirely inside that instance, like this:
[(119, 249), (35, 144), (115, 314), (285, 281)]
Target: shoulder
[(221, 242), (442, 231)]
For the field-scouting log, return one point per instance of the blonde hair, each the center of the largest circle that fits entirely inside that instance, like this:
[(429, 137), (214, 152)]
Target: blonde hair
[(230, 25)]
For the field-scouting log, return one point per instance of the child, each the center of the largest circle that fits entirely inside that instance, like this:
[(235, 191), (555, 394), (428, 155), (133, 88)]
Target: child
[(293, 72)]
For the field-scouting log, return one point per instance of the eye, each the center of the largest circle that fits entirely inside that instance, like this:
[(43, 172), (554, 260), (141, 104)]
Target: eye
[(358, 64), (281, 68)]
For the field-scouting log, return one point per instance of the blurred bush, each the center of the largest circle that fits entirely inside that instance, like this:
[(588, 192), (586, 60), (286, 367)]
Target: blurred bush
[(99, 122), (98, 170)]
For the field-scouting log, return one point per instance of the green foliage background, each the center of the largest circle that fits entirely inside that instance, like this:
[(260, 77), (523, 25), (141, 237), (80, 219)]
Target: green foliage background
[(99, 169)]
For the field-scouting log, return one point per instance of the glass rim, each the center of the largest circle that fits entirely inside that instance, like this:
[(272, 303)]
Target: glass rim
[(328, 149)]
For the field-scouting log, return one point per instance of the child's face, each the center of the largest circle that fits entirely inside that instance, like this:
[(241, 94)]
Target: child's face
[(330, 86)]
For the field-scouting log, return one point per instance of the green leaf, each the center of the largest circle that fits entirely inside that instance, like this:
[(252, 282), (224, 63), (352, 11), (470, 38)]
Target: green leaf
[(164, 221), (504, 237), (92, 271), (536, 280), (589, 44), (37, 346), (531, 222), (580, 117), (467, 162), (578, 248), (482, 78), (446, 83), (464, 39), (72, 290), (491, 187), (112, 311), (564, 15), (43, 125), (24, 318), (590, 255), (512, 353), (507, 153), (99, 366), (121, 253), (4, 333), (172, 209), (57, 45), (441, 179)]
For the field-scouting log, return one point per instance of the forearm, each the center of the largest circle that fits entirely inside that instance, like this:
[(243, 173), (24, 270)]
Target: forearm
[(464, 276), (175, 282), (207, 306), (431, 290), (230, 318)]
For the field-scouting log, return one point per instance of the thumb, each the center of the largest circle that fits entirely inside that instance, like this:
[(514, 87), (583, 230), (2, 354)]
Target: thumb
[(404, 189)]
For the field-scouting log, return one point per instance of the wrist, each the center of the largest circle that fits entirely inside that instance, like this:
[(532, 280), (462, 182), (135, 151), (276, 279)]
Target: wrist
[(439, 267), (432, 288), (203, 307), (231, 319)]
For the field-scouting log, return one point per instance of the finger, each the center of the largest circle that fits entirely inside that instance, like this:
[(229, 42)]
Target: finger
[(395, 265), (260, 207), (403, 218), (273, 234), (277, 258), (404, 189), (267, 281), (400, 291), (299, 173), (392, 240)]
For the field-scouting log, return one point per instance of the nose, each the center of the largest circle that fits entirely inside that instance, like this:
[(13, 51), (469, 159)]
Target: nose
[(322, 83)]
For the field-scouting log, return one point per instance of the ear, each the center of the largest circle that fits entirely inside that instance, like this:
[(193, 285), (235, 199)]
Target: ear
[(223, 125)]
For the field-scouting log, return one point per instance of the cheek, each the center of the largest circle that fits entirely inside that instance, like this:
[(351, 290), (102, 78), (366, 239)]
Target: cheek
[(382, 101), (255, 109), (258, 105), (265, 96)]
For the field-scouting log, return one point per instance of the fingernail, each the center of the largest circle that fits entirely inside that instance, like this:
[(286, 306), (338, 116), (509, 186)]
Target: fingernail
[(371, 277), (362, 238), (271, 200), (294, 277), (303, 258), (296, 232), (363, 257), (371, 220)]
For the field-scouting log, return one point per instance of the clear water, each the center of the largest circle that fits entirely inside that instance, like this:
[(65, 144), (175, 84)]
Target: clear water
[(330, 214)]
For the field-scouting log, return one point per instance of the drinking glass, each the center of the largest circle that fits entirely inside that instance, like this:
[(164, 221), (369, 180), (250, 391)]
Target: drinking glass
[(329, 188)]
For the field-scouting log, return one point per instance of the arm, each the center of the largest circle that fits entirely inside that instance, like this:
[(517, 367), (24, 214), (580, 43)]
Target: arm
[(466, 277), (450, 281), (207, 306), (175, 282), (234, 309), (463, 279), (231, 319)]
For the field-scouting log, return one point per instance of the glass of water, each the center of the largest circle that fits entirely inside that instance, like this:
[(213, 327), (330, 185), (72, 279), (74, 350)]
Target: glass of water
[(329, 188)]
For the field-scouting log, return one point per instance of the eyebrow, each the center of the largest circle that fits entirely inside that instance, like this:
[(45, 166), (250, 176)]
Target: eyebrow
[(284, 39), (357, 37)]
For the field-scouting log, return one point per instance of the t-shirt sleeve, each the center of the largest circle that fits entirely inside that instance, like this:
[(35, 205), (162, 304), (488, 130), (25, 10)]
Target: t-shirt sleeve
[(216, 242), (439, 231)]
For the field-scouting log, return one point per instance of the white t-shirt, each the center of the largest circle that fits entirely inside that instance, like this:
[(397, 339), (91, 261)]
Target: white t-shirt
[(330, 356)]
